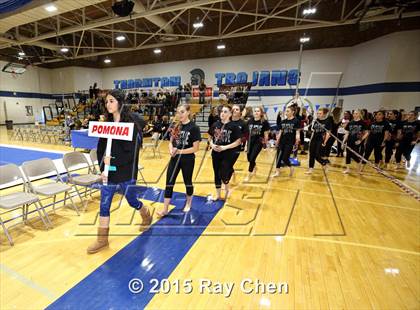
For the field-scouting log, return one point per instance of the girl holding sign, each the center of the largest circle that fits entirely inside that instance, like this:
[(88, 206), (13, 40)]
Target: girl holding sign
[(123, 169), (184, 142), (224, 140)]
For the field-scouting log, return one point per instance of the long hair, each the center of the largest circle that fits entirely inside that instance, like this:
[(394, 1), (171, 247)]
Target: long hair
[(240, 109), (263, 116), (123, 107), (360, 114), (218, 133), (336, 113), (177, 125)]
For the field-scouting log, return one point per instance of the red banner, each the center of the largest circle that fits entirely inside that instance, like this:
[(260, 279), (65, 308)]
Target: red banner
[(196, 92)]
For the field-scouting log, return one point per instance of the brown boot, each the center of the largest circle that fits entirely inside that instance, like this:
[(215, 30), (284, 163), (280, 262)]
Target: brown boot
[(101, 242), (146, 219)]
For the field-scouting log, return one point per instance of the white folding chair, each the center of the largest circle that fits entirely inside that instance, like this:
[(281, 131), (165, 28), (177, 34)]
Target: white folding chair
[(8, 175), (154, 145), (41, 168), (77, 160)]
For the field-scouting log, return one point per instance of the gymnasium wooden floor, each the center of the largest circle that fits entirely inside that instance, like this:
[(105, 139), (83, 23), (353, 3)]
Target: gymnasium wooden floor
[(338, 241)]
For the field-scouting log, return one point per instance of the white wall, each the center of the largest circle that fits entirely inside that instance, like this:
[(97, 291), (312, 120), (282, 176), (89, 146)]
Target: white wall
[(34, 80), (314, 60), (391, 58), (41, 81), (73, 79)]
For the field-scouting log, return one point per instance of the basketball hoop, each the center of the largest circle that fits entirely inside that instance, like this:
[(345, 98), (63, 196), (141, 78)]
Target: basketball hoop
[(14, 69)]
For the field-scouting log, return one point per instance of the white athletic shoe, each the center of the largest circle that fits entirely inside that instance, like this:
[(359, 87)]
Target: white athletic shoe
[(309, 171), (347, 171), (275, 174)]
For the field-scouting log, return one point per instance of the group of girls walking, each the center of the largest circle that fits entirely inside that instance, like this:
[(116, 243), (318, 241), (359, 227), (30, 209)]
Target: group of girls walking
[(361, 139), (227, 136)]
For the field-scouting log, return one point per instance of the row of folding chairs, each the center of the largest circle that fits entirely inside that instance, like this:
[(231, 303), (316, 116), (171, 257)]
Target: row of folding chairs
[(39, 133), (33, 171)]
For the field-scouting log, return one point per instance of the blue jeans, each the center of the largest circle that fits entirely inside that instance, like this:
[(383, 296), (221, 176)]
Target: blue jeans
[(127, 188)]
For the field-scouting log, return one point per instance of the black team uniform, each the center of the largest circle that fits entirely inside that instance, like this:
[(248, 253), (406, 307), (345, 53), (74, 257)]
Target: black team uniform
[(394, 126), (355, 133), (223, 162), (409, 132), (183, 138), (315, 146), (287, 140), (256, 140), (375, 140)]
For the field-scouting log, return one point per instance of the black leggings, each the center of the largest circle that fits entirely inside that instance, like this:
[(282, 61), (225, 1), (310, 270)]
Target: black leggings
[(389, 150), (377, 150), (253, 150), (315, 153), (350, 155), (340, 150), (404, 148), (283, 154), (223, 166), (327, 149), (177, 163)]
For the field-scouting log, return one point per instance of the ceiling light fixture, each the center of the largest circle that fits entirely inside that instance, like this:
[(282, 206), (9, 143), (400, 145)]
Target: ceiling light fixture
[(304, 39), (21, 53), (198, 24), (51, 8), (221, 46), (157, 51), (64, 49), (309, 11), (120, 38), (107, 60)]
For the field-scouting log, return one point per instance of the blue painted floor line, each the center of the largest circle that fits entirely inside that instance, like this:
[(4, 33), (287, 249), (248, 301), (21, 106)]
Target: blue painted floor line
[(152, 255), (11, 155)]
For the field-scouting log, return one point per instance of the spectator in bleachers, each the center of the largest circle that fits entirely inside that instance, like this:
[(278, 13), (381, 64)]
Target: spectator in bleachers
[(202, 93)]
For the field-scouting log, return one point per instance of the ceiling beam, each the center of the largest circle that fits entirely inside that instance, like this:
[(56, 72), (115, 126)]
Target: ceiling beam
[(80, 42), (158, 34), (110, 21), (353, 10), (248, 33), (273, 16), (271, 13), (233, 18), (201, 21), (161, 28)]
